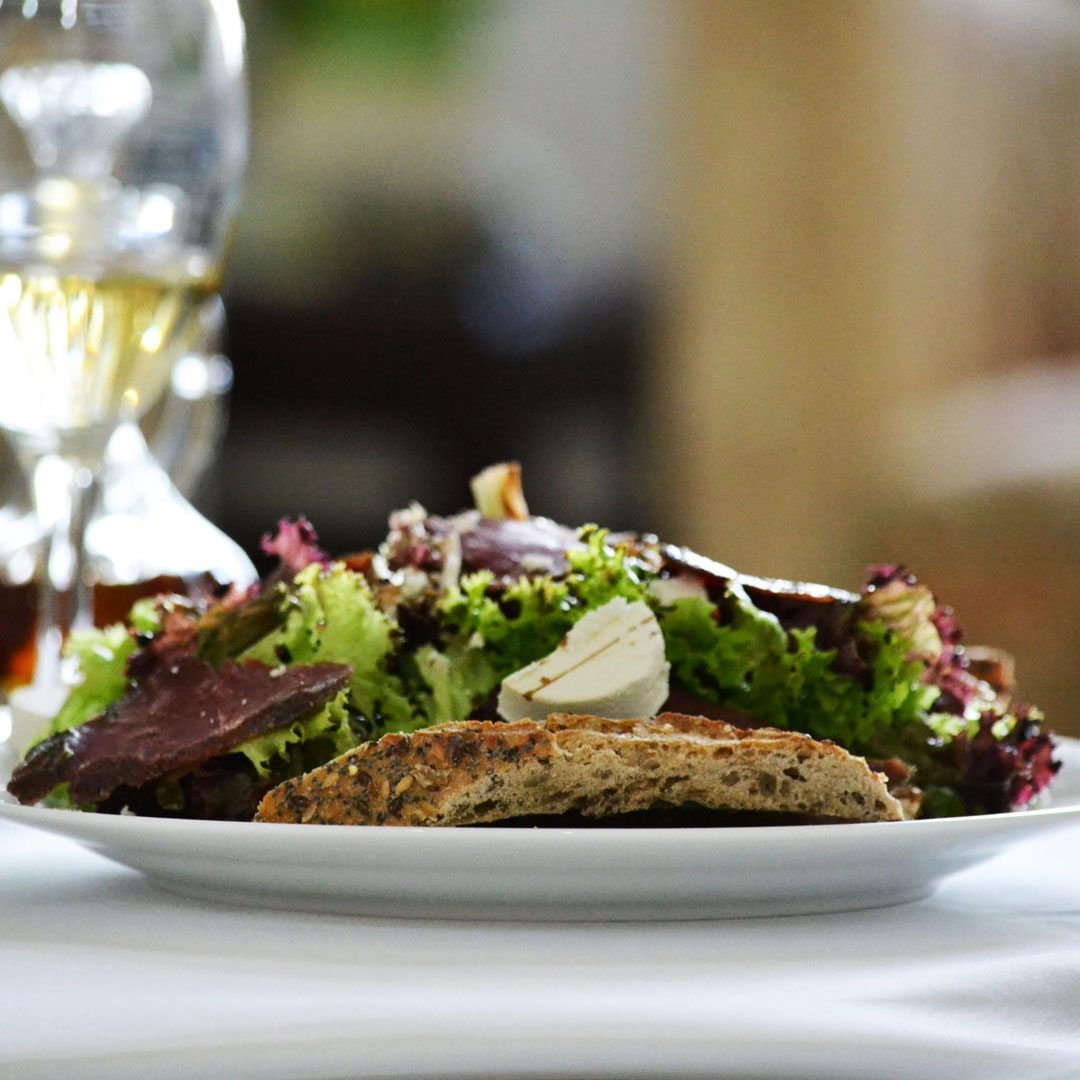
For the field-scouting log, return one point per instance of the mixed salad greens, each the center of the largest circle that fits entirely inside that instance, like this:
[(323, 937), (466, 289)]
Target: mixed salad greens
[(431, 624)]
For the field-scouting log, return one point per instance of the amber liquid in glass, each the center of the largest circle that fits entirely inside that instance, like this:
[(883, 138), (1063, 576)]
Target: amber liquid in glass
[(111, 604)]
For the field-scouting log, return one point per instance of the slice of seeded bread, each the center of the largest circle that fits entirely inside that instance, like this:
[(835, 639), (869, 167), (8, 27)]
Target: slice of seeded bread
[(476, 772)]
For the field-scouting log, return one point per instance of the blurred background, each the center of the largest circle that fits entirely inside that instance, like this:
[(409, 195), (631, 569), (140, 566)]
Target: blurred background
[(796, 283)]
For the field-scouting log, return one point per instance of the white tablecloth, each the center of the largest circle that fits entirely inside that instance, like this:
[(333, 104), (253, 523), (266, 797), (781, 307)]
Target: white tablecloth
[(104, 976)]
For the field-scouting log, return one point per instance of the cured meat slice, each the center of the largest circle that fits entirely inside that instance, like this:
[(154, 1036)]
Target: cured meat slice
[(180, 715)]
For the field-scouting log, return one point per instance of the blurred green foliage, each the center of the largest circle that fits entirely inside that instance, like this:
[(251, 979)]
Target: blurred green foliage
[(414, 37)]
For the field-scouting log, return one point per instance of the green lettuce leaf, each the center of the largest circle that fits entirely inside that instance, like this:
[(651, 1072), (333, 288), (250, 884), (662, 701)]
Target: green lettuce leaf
[(102, 656), (801, 690), (304, 743), (716, 661), (600, 572), (907, 610), (60, 799), (746, 661), (526, 620), (331, 618), (450, 684)]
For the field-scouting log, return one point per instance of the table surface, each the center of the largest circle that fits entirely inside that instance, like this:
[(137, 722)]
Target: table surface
[(106, 976)]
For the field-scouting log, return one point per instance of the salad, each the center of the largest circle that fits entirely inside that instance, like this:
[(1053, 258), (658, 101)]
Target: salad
[(197, 708)]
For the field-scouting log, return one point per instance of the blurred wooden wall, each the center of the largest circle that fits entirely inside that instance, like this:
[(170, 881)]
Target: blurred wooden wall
[(873, 302)]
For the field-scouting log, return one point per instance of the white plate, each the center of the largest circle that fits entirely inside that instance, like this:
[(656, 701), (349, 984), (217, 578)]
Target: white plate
[(557, 873)]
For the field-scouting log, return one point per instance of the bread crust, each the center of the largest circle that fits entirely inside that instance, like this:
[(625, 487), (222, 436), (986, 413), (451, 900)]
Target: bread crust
[(477, 772)]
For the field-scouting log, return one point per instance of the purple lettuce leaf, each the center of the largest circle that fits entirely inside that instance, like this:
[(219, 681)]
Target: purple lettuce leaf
[(295, 545)]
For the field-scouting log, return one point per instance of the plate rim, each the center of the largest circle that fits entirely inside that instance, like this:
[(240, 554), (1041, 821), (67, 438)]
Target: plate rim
[(555, 873)]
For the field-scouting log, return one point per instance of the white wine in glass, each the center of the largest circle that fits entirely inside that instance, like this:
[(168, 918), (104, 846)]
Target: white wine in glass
[(83, 349), (123, 136)]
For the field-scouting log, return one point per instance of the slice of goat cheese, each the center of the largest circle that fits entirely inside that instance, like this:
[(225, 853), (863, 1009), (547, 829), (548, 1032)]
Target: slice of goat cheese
[(610, 664)]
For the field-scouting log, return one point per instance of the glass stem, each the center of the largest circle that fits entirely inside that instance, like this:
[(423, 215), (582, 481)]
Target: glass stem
[(63, 489)]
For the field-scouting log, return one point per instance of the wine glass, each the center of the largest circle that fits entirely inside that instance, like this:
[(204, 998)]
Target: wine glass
[(123, 137), (144, 530), (143, 536)]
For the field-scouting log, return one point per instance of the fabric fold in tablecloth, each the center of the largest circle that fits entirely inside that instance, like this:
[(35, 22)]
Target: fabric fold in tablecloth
[(105, 976)]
